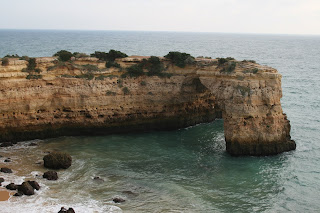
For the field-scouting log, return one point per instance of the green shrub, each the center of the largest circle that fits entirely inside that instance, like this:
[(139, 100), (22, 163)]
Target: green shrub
[(251, 61), (26, 58), (88, 76), (67, 76), (5, 62), (38, 70), (110, 64), (31, 64), (112, 55), (222, 61), (109, 93), (231, 66), (180, 59), (135, 70), (80, 55), (64, 55), (58, 64), (30, 76), (100, 55), (126, 91), (143, 83), (12, 56), (89, 67), (254, 71), (153, 65)]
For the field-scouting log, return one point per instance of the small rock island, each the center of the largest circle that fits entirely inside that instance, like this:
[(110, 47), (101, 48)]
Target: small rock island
[(77, 94)]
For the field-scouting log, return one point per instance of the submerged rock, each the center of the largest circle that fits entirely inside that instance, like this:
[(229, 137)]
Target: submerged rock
[(98, 179), (12, 186), (50, 175), (1, 179), (26, 188), (18, 194), (64, 210), (57, 160), (6, 144), (7, 160), (5, 170), (118, 200), (34, 184), (33, 144)]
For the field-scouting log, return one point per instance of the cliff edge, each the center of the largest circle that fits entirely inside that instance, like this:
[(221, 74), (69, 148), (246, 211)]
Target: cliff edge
[(84, 96)]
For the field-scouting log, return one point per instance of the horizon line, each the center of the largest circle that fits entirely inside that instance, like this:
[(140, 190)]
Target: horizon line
[(168, 31)]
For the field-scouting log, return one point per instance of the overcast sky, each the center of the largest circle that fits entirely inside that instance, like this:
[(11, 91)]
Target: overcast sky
[(239, 16)]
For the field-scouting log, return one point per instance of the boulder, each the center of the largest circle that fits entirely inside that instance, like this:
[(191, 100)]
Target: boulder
[(70, 210), (118, 200), (12, 186), (7, 160), (64, 210), (5, 170), (50, 175), (26, 188), (18, 194), (34, 184), (57, 160), (1, 179)]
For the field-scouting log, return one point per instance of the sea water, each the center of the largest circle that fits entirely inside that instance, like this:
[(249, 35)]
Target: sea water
[(187, 170)]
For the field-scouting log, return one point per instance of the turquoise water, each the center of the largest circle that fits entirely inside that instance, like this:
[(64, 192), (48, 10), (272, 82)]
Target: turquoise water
[(186, 170)]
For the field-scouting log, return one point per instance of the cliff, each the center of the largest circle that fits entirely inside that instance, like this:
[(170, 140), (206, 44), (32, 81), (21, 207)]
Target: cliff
[(84, 97)]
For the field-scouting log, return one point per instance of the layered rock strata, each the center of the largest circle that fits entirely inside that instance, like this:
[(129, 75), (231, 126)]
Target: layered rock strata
[(66, 102)]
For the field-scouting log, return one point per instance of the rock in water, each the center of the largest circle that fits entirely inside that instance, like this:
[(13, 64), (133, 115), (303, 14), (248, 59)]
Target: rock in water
[(18, 194), (64, 210), (5, 170), (118, 200), (26, 188), (57, 160), (34, 184), (12, 186), (1, 180), (6, 144), (50, 175), (70, 210)]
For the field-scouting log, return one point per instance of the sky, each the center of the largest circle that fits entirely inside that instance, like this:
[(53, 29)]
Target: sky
[(228, 16)]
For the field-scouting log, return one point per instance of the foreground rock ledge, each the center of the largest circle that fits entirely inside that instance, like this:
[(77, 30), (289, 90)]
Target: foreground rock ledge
[(62, 103)]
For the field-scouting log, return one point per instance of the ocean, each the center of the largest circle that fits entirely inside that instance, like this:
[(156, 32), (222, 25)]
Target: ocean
[(186, 170)]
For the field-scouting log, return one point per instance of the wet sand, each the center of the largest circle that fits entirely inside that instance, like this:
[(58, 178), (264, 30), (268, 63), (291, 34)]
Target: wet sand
[(4, 195)]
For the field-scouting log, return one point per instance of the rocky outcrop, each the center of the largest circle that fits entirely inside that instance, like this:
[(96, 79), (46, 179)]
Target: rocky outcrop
[(69, 100), (57, 160), (26, 189), (50, 175)]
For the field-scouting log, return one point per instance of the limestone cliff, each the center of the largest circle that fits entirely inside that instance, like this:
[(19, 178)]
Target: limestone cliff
[(74, 99)]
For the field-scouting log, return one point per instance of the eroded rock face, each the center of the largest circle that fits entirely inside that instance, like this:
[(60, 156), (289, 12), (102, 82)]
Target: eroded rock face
[(254, 123), (247, 98)]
